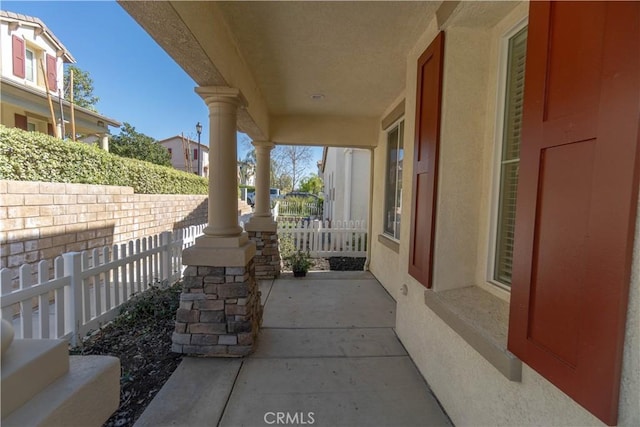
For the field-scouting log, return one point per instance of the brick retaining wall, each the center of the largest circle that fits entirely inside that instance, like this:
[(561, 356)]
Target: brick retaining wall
[(41, 220)]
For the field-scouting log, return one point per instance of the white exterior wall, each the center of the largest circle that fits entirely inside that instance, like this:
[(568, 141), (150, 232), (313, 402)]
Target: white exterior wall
[(361, 176), (31, 39), (357, 195), (471, 390), (334, 192)]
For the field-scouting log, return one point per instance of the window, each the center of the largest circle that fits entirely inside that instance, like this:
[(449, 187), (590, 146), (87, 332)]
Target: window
[(30, 65), (195, 154), (510, 157), (393, 185), (31, 127), (170, 152)]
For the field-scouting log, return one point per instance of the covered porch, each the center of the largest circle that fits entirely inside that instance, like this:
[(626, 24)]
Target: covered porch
[(327, 355), (426, 87)]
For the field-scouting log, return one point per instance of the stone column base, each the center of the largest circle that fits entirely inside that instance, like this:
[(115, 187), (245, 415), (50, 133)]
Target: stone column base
[(267, 257), (220, 312)]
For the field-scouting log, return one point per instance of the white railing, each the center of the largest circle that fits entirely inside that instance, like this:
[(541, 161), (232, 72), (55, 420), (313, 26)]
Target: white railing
[(88, 287), (341, 238)]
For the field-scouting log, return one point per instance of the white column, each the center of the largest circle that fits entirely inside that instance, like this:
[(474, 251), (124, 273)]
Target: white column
[(224, 243), (262, 219), (104, 141), (348, 173), (223, 105)]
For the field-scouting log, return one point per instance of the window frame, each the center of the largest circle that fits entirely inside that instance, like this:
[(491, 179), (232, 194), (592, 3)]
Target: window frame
[(497, 158), (395, 125)]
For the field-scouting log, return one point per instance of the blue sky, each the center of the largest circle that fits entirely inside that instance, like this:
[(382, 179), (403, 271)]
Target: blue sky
[(136, 81)]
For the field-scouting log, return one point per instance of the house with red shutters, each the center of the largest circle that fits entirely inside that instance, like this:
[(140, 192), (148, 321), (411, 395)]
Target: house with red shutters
[(187, 155), (32, 67)]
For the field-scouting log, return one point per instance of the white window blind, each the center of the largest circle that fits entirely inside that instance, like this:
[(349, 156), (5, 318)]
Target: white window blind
[(510, 159)]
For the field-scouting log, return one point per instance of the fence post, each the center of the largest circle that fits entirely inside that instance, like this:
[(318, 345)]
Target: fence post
[(73, 295), (166, 267)]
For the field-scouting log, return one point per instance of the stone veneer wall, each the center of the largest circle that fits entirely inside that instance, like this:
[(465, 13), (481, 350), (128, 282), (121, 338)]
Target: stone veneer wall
[(41, 220), (267, 257), (220, 312)]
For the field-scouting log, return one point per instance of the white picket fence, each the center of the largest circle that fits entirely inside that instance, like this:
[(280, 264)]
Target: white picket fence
[(88, 287), (323, 240)]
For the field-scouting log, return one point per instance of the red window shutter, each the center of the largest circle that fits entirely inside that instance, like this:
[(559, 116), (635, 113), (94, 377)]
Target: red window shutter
[(195, 154), (50, 129), (425, 161), (52, 73), (20, 121), (18, 57), (577, 197)]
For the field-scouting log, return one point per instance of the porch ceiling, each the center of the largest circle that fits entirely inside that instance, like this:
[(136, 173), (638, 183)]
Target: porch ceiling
[(279, 54), (353, 53)]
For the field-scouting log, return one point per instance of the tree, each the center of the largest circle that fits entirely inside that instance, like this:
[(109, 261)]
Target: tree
[(136, 145), (293, 160), (311, 184), (82, 88)]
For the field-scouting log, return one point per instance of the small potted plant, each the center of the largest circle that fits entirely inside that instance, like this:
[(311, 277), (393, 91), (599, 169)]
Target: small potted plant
[(300, 263)]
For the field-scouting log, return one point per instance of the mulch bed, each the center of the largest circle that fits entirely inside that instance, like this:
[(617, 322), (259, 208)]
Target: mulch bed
[(346, 263), (141, 338)]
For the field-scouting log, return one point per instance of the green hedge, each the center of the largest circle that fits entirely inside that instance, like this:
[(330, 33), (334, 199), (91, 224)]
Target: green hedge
[(33, 156)]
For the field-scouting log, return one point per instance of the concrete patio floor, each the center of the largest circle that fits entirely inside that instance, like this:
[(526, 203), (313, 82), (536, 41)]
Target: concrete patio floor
[(327, 355)]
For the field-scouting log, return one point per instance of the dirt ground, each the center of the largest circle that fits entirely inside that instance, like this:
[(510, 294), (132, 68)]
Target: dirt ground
[(141, 338)]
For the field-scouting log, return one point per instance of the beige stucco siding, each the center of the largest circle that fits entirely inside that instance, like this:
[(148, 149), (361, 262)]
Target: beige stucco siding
[(472, 391)]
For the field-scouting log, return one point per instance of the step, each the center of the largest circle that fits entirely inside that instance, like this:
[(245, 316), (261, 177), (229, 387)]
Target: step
[(87, 395), (28, 366), (195, 394)]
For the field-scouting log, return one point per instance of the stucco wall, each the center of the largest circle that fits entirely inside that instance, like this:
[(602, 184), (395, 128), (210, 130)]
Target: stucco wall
[(41, 220), (471, 390), (8, 118)]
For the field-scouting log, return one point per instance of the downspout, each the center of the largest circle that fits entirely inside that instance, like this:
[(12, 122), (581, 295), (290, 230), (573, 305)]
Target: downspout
[(369, 220)]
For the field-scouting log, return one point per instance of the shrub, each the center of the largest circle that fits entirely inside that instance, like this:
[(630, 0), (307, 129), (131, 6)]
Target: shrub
[(32, 156), (287, 247)]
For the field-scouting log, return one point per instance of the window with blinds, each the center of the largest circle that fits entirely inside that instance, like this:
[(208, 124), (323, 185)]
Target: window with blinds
[(510, 158)]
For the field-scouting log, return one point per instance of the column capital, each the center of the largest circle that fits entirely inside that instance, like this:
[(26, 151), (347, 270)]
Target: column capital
[(212, 94), (263, 144)]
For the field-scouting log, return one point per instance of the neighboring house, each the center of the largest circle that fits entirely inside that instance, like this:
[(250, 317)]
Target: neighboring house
[(246, 173), (186, 155), (346, 173), (32, 58), (515, 260)]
